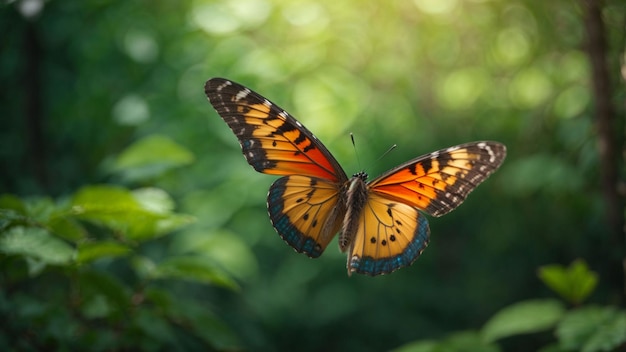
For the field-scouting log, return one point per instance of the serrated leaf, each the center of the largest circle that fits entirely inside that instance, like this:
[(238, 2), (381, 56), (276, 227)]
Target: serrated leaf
[(523, 318), (194, 268), (574, 284), (91, 251), (592, 329), (150, 157), (36, 243)]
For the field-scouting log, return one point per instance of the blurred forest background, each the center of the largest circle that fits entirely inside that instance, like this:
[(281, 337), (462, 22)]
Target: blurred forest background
[(130, 220)]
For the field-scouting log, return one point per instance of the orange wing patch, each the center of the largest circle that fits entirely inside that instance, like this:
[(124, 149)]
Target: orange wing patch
[(439, 182), (391, 235), (272, 141), (306, 212)]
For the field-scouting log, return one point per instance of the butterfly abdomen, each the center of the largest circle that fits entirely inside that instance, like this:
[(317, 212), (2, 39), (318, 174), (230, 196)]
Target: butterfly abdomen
[(355, 192)]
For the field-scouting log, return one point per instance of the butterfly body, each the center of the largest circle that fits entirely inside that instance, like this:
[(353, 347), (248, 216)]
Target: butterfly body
[(380, 222)]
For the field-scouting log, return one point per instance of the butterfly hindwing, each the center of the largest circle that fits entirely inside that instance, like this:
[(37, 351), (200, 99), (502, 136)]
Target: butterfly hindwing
[(390, 235), (306, 212), (439, 182), (272, 141)]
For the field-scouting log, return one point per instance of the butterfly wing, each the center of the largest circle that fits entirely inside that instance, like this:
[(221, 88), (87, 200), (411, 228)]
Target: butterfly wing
[(304, 206), (272, 141), (390, 235), (391, 231), (306, 212), (439, 182)]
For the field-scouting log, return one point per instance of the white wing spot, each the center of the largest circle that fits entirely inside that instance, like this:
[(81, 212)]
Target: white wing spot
[(224, 85), (267, 103), (242, 94), (284, 115), (451, 149)]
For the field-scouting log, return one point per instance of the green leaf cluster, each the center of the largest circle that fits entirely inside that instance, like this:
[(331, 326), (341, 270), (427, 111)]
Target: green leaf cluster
[(76, 271), (589, 328)]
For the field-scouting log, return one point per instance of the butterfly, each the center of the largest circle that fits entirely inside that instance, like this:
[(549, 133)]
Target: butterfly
[(380, 223)]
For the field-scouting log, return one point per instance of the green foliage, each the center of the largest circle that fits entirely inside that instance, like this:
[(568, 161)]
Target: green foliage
[(87, 267), (523, 318), (574, 284), (593, 328), (589, 329), (150, 157), (131, 221)]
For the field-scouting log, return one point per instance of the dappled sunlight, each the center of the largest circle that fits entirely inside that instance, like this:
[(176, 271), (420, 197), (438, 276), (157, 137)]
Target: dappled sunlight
[(131, 220), (460, 89), (511, 47), (141, 46), (131, 110), (224, 17), (322, 104), (441, 8), (530, 88)]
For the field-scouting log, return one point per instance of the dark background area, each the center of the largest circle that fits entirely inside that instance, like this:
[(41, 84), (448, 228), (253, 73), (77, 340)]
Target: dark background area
[(86, 81)]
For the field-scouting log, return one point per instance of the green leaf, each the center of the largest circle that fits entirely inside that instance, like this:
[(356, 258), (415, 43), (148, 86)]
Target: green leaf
[(194, 268), (463, 341), (67, 229), (523, 318), (91, 251), (223, 247), (108, 287), (418, 346), (37, 244), (592, 329), (150, 157), (205, 324), (469, 341), (155, 327), (574, 284), (9, 201), (154, 199), (120, 210), (10, 217)]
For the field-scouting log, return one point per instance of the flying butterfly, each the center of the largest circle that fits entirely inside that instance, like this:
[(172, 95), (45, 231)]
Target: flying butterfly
[(380, 222)]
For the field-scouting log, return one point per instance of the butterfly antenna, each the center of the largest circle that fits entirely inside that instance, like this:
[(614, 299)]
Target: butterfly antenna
[(355, 151), (387, 152)]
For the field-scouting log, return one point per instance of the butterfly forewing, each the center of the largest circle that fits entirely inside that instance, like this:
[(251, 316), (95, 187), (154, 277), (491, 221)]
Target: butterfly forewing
[(439, 182), (272, 141)]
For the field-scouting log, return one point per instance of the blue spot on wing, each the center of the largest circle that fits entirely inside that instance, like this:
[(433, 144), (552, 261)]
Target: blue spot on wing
[(283, 224), (372, 266)]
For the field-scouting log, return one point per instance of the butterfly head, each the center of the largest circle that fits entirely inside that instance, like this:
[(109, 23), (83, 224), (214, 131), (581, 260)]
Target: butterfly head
[(362, 175)]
